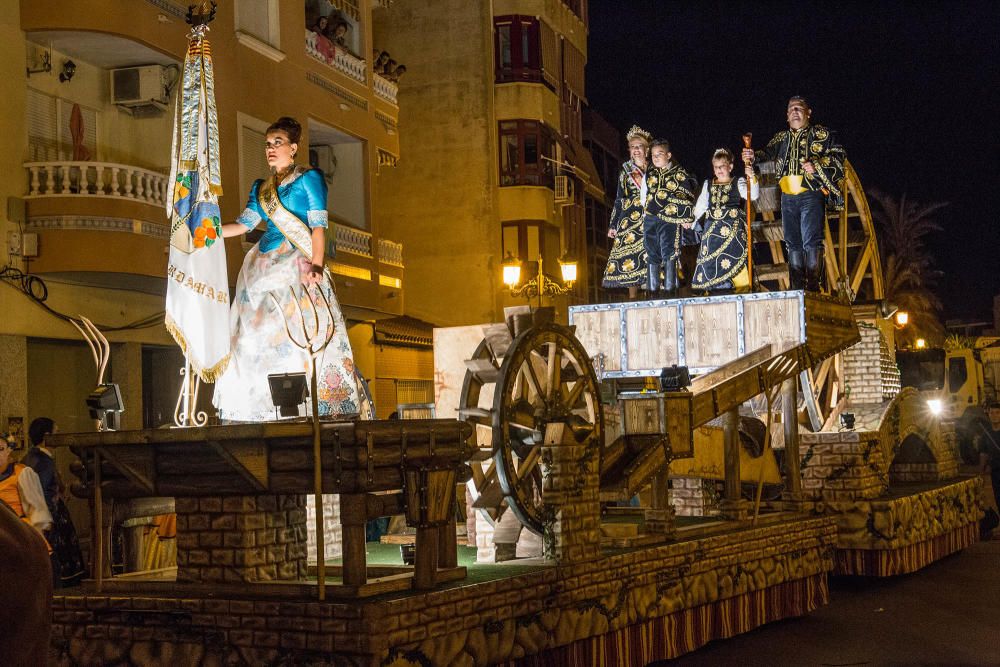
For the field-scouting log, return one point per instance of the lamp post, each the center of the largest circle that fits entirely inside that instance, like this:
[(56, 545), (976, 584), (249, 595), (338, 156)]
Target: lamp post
[(902, 318), (539, 285)]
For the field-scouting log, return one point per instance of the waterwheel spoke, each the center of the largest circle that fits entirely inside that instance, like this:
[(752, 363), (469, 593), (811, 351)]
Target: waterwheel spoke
[(555, 368)]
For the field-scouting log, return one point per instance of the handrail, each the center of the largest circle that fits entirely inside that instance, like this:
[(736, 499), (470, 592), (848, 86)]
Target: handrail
[(70, 178)]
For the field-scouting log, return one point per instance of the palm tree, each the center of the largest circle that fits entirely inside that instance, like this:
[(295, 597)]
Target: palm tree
[(907, 265)]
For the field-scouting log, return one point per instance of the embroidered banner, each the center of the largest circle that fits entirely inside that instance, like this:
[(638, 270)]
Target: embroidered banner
[(197, 310)]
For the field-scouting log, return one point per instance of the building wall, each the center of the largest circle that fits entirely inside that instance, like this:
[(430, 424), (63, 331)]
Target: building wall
[(441, 201)]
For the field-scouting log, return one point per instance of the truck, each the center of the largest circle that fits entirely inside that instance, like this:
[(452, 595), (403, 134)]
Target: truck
[(959, 379)]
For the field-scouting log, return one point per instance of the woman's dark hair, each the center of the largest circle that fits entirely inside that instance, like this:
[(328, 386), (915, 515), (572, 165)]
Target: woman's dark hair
[(660, 142), (40, 427), (289, 126)]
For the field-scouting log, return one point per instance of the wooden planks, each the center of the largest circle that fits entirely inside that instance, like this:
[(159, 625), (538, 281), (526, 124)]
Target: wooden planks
[(651, 337), (711, 335), (600, 332)]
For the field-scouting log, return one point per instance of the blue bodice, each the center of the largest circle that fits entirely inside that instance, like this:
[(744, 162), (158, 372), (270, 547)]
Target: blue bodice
[(303, 193)]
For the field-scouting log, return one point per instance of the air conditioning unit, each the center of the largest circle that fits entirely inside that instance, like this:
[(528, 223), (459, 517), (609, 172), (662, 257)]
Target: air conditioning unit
[(564, 189), (140, 90), (323, 158)]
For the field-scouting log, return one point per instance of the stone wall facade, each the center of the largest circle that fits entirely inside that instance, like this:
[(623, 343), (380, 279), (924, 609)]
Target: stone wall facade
[(333, 532), (842, 466), (869, 367), (235, 539), (693, 496), (481, 624)]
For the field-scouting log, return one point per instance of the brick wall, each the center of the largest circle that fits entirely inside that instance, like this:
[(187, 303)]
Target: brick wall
[(693, 496), (842, 466), (241, 538), (333, 533)]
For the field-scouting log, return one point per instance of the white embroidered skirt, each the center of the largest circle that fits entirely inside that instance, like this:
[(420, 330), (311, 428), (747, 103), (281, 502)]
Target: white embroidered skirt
[(261, 345)]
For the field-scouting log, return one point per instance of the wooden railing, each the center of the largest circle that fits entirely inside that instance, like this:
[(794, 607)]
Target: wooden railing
[(384, 88), (96, 179), (390, 252), (341, 60)]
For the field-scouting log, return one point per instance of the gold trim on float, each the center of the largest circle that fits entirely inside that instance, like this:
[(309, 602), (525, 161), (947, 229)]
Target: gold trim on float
[(206, 374)]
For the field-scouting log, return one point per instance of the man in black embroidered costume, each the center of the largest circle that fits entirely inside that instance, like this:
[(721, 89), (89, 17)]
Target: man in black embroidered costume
[(668, 211), (809, 163)]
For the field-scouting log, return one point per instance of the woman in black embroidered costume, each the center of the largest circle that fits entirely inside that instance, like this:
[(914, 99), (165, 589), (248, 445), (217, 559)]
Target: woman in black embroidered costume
[(722, 258), (627, 260)]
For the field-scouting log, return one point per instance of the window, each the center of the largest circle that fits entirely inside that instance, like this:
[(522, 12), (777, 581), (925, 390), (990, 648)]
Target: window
[(259, 19), (50, 129), (524, 241), (524, 146), (517, 51), (957, 374), (578, 7)]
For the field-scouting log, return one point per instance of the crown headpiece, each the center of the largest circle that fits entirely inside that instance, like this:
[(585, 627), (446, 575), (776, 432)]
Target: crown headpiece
[(637, 132)]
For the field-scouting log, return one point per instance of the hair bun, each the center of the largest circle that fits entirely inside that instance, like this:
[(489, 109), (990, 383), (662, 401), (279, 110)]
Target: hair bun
[(289, 126)]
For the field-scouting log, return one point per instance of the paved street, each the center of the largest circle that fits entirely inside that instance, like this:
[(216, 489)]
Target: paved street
[(945, 614)]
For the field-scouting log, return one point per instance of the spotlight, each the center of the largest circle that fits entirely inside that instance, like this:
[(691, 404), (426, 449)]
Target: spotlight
[(105, 403), (935, 406), (847, 421), (68, 71), (674, 378), (288, 392)]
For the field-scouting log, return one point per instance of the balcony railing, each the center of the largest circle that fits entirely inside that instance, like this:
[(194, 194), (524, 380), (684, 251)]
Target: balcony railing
[(385, 89), (96, 179), (390, 252), (355, 241), (335, 56)]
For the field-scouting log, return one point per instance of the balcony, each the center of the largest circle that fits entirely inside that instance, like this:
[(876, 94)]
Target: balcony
[(362, 282), (96, 179), (336, 57), (99, 224), (385, 89)]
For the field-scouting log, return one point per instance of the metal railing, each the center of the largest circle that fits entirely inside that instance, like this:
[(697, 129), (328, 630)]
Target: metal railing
[(96, 179)]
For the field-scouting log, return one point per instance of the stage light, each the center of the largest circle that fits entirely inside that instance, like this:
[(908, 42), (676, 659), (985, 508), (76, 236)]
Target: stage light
[(847, 421), (288, 392), (105, 404), (674, 378)]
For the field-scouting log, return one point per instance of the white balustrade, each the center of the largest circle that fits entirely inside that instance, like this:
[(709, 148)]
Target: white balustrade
[(390, 252), (96, 179), (341, 60), (353, 240), (385, 89)]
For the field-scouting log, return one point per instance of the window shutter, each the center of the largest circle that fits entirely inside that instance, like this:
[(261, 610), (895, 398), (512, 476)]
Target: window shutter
[(253, 18), (550, 54), (253, 164), (42, 120), (574, 63)]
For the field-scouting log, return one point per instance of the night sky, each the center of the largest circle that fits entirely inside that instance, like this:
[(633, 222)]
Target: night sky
[(911, 88)]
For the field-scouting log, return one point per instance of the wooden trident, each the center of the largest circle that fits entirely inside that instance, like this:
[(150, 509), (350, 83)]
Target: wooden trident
[(313, 343)]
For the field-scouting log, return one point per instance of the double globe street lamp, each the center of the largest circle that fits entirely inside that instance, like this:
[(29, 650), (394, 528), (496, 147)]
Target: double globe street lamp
[(540, 285)]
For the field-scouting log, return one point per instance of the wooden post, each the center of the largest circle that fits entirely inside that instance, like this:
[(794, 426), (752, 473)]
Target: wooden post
[(447, 546), (790, 426), (353, 515), (97, 559), (659, 494), (318, 490), (425, 559), (731, 431), (746, 144)]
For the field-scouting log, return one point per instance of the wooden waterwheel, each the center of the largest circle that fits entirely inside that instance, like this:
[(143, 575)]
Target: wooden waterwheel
[(513, 388), (853, 271)]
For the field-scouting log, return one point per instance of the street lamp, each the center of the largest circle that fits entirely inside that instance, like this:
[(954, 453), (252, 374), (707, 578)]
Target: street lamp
[(539, 285), (902, 318), (921, 344)]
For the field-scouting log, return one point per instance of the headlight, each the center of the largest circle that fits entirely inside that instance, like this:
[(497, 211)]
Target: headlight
[(935, 406)]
